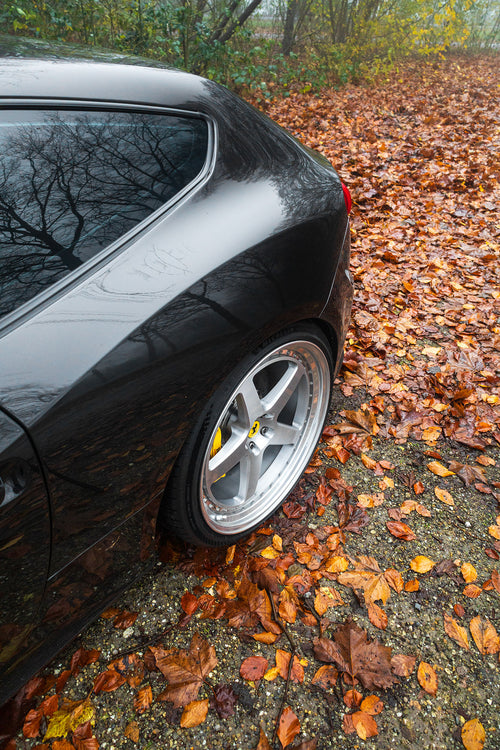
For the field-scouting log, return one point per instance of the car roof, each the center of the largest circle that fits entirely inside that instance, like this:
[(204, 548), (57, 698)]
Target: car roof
[(88, 80)]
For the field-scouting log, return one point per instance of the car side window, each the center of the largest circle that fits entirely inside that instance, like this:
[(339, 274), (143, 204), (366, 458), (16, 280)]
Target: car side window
[(72, 182)]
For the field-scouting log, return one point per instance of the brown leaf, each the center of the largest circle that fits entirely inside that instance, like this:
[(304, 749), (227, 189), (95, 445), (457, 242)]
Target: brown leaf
[(473, 735), (31, 726), (132, 731), (194, 714), (456, 631), (125, 619), (485, 636), (254, 668), (223, 699), (108, 681), (357, 657), (400, 530), (403, 665), (427, 678), (185, 670), (288, 728)]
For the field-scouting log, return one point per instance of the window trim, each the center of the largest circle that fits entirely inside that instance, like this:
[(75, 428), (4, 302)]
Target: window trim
[(55, 290)]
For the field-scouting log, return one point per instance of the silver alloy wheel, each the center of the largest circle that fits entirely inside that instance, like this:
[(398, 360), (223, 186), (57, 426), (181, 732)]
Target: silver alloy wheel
[(265, 436)]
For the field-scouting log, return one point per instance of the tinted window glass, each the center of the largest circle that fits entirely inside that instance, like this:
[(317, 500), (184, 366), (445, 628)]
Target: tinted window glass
[(72, 182)]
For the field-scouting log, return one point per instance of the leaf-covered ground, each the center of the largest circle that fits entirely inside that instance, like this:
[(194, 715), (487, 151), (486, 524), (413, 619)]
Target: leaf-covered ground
[(366, 613)]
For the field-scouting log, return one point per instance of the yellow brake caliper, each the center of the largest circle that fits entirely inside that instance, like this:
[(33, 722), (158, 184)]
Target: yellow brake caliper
[(216, 446)]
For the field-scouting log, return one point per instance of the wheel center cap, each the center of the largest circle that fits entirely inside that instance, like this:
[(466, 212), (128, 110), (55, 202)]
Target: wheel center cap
[(254, 428)]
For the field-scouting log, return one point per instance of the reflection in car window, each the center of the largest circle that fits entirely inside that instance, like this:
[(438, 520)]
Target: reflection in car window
[(72, 182)]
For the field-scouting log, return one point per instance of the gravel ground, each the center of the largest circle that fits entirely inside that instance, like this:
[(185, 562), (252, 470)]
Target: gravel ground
[(468, 682)]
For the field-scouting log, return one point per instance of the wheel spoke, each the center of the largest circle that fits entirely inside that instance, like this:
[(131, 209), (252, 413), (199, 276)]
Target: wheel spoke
[(284, 434), (250, 468), (250, 407), (279, 396), (227, 458)]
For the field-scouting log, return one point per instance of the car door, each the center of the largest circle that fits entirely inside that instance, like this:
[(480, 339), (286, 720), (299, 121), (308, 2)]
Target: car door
[(24, 545)]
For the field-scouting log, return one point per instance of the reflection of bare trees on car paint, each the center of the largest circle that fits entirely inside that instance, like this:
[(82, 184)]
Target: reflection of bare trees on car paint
[(72, 182)]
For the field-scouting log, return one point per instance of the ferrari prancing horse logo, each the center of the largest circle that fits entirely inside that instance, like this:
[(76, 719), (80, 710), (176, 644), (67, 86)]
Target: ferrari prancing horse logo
[(255, 428)]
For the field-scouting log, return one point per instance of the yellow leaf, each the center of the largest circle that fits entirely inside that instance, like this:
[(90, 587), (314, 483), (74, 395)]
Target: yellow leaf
[(277, 543), (469, 572), (439, 469), (269, 553), (473, 735), (494, 531), (271, 674), (69, 717), (443, 495), (422, 564)]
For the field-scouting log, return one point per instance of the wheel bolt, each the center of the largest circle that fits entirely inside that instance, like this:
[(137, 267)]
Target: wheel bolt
[(251, 446), (264, 430)]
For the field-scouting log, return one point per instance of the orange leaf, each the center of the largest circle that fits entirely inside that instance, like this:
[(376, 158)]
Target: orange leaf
[(325, 677), (189, 603), (427, 678), (143, 699), (353, 698), (443, 495), (254, 668), (473, 735), (364, 724), (265, 637), (472, 591), (372, 705), (412, 585), (263, 741), (194, 714), (459, 610), (439, 469), (377, 616), (421, 564), (456, 631), (418, 488), (289, 727), (469, 572), (485, 636), (283, 664)]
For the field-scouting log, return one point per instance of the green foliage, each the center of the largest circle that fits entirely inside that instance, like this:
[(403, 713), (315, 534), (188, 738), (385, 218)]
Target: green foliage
[(334, 41)]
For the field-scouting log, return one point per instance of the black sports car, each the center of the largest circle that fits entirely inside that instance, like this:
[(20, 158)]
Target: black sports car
[(174, 295)]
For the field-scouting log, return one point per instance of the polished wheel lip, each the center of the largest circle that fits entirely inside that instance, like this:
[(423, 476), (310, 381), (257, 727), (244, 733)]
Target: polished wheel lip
[(262, 487)]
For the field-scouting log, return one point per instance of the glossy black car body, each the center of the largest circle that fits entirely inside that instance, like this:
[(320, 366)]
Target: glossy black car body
[(103, 373)]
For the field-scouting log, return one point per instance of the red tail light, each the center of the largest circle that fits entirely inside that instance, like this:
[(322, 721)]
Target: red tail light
[(347, 198)]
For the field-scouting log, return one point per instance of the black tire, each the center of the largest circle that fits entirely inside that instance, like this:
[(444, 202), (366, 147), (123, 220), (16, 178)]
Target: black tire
[(259, 453)]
